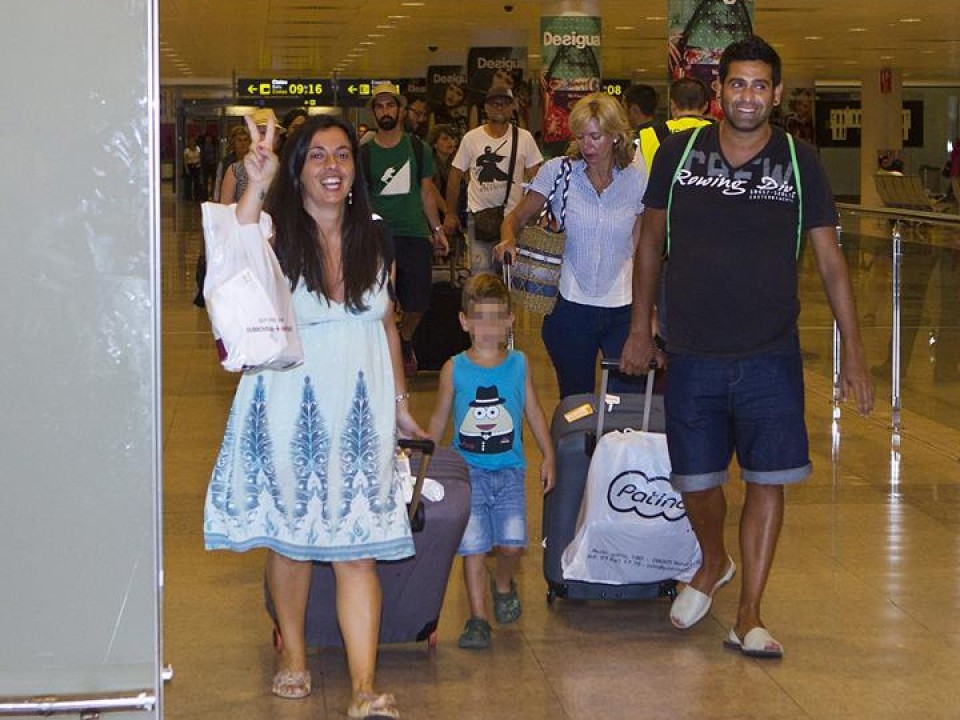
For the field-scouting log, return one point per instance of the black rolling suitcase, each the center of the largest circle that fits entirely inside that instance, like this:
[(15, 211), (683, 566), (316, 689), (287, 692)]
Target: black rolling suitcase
[(413, 588), (439, 336), (574, 431)]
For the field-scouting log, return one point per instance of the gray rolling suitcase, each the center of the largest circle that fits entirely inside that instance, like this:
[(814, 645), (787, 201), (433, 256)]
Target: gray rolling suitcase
[(574, 432), (413, 588)]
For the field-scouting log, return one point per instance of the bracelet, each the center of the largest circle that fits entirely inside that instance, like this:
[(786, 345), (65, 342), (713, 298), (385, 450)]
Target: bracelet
[(401, 397), (437, 229)]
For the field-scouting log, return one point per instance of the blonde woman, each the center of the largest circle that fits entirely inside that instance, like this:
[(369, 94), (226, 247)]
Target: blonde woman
[(603, 209)]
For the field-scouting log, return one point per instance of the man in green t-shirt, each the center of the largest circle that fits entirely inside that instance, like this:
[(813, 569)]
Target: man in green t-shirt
[(402, 193)]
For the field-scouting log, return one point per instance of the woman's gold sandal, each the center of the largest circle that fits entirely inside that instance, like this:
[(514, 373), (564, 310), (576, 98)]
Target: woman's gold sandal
[(374, 707), (291, 684)]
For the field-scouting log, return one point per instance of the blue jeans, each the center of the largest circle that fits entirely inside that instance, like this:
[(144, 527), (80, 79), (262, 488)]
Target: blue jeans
[(573, 335), (498, 511), (752, 406)]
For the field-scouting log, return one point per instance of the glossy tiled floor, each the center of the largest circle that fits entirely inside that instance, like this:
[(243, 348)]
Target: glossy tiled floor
[(865, 593)]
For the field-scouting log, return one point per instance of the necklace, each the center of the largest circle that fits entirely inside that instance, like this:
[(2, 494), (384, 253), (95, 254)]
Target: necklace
[(599, 183)]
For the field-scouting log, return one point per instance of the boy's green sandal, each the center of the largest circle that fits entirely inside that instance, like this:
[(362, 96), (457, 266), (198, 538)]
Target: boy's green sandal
[(506, 606), (475, 635)]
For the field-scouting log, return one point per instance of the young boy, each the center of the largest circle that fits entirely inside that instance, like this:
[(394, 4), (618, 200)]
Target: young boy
[(489, 388)]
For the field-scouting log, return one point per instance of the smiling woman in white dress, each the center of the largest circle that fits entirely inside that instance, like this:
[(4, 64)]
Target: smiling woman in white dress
[(306, 465)]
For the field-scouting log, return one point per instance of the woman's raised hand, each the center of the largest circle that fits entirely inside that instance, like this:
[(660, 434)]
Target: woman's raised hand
[(261, 162)]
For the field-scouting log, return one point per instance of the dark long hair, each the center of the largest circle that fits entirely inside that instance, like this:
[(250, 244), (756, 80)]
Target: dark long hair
[(296, 241)]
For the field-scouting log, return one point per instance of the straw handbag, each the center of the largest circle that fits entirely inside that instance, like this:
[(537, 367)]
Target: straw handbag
[(535, 275)]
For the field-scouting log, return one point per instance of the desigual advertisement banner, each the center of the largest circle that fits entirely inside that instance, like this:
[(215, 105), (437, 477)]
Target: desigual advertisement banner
[(698, 32), (570, 49), (447, 97)]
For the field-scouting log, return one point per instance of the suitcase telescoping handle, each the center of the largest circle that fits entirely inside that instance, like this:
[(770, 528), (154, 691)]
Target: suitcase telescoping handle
[(507, 270), (606, 365), (425, 446)]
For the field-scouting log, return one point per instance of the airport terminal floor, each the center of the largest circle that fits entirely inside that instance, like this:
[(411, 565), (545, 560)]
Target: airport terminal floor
[(864, 594)]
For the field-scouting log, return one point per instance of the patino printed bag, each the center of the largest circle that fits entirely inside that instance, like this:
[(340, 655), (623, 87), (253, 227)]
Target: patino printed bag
[(633, 527), (247, 295)]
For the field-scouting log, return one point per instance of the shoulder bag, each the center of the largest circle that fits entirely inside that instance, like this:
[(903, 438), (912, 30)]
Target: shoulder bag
[(535, 276)]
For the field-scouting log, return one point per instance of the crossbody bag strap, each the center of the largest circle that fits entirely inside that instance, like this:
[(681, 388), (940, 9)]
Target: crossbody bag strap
[(676, 174), (566, 170), (547, 213), (513, 164)]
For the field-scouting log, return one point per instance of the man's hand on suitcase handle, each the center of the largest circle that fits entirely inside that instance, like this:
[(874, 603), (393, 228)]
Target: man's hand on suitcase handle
[(639, 355)]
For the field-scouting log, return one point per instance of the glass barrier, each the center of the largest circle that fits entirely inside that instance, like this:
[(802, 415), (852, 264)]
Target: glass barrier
[(905, 269)]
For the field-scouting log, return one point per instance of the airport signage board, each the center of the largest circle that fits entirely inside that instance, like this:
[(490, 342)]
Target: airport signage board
[(305, 91), (342, 92), (615, 87)]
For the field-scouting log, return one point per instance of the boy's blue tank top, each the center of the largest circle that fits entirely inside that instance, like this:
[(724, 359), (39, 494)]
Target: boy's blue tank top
[(488, 411)]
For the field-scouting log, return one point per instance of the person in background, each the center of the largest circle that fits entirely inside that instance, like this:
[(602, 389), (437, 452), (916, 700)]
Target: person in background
[(484, 161), (418, 116), (235, 178), (442, 140), (402, 192), (193, 170), (640, 103), (500, 77), (603, 208), (238, 142), (735, 382), (208, 164), (292, 121), (489, 389), (689, 102), (799, 122), (317, 495)]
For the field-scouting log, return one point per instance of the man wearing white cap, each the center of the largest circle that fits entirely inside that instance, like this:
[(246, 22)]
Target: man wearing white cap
[(398, 172), (497, 157)]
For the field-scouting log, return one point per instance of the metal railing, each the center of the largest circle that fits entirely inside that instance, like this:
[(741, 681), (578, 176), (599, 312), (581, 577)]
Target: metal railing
[(87, 707), (934, 240)]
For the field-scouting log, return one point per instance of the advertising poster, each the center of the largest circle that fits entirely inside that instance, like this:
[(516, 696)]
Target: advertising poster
[(570, 49), (488, 66), (447, 97), (839, 117), (698, 32)]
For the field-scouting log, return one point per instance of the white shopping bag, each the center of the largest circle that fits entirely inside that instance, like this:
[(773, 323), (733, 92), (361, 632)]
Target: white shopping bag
[(633, 527), (247, 295)]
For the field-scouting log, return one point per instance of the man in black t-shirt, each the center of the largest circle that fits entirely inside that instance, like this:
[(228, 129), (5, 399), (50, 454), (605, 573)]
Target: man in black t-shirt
[(740, 199)]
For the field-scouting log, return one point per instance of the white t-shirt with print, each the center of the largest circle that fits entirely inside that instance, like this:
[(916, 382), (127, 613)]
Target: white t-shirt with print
[(486, 160)]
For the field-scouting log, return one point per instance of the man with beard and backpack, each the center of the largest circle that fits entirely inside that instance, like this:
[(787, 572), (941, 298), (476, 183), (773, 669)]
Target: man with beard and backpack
[(399, 171)]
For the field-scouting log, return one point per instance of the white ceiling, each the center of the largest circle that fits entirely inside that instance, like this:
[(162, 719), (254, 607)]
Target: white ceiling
[(204, 41)]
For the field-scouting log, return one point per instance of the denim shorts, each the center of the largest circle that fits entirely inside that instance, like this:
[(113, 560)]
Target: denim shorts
[(752, 406), (498, 511)]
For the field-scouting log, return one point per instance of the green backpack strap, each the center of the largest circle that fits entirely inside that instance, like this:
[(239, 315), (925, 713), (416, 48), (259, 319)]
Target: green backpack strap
[(796, 177), (676, 174), (796, 174)]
